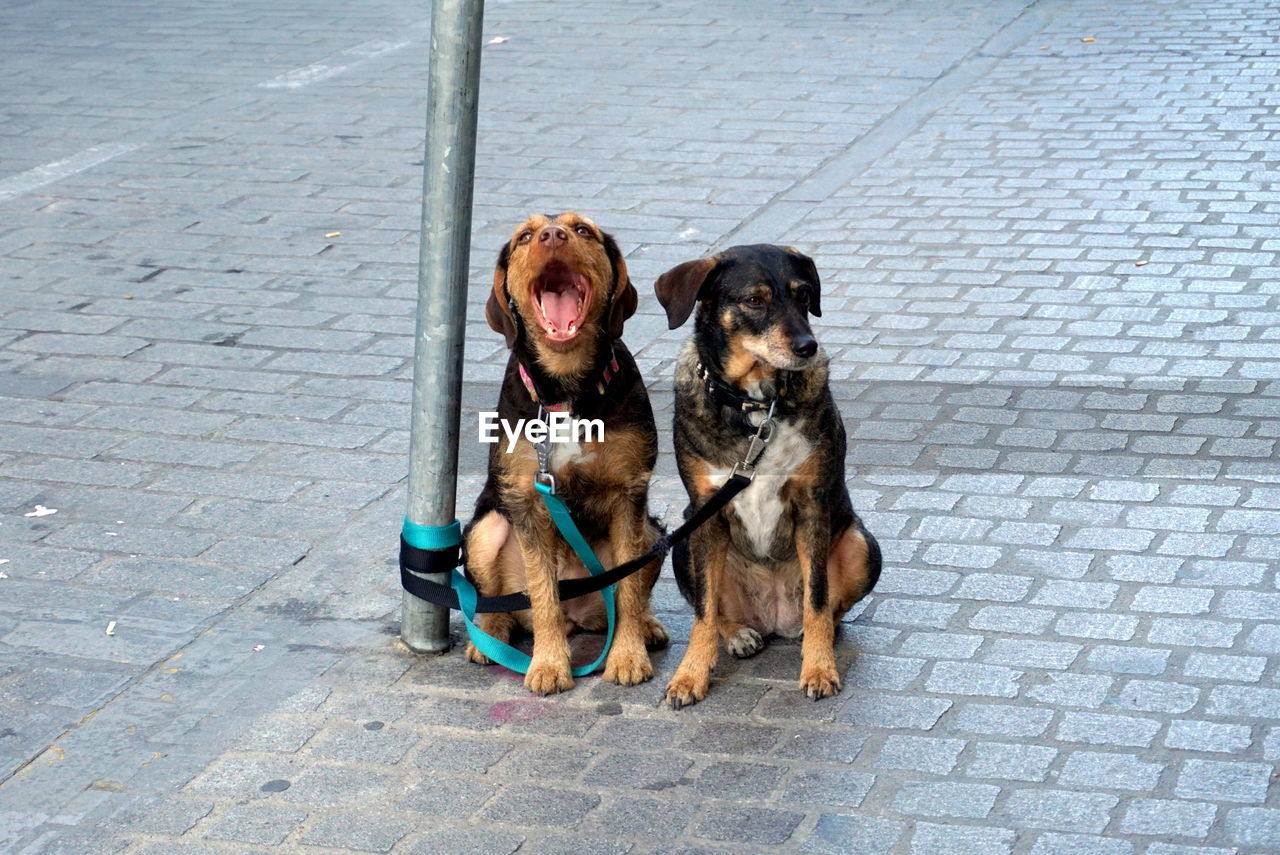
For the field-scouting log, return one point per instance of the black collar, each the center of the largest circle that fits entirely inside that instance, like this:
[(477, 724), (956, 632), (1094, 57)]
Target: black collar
[(733, 398)]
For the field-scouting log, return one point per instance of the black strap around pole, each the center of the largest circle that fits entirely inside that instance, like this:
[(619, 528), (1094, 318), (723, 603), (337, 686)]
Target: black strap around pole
[(414, 561)]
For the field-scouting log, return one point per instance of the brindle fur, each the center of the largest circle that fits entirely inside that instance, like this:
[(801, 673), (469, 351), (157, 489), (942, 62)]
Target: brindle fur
[(511, 542), (818, 560)]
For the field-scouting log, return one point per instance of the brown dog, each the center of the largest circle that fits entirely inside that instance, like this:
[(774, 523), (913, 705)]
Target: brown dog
[(788, 556), (560, 296)]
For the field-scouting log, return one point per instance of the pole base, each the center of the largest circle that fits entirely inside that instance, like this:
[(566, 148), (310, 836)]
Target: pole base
[(424, 627)]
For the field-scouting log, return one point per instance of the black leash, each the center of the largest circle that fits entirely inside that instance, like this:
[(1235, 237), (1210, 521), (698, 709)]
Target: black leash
[(414, 560)]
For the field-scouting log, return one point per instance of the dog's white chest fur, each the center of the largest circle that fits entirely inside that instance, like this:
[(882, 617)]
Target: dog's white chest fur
[(759, 507), (565, 453)]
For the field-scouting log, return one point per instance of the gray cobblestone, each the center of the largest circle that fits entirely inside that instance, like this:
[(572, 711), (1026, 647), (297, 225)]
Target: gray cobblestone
[(970, 801), (1060, 810), (834, 834), (1166, 817), (257, 824), (1217, 780), (1011, 761), (1089, 769), (925, 754)]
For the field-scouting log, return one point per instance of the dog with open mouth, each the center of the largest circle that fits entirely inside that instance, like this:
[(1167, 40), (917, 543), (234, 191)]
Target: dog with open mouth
[(560, 296), (788, 556)]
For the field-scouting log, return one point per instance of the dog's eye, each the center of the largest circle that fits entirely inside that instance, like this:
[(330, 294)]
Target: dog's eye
[(754, 302), (584, 231), (525, 237)]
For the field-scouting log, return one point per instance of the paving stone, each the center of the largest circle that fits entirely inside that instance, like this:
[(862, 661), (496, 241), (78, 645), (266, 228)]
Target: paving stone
[(969, 801), (1166, 817), (640, 771), (875, 710), (836, 833), (828, 787), (1013, 762), (761, 826), (1216, 780), (1074, 844), (1088, 769), (647, 818), (162, 816), (733, 780), (1244, 702), (921, 753), (257, 824), (468, 841), (572, 844), (526, 805), (1253, 826), (1060, 810), (1104, 729), (934, 839)]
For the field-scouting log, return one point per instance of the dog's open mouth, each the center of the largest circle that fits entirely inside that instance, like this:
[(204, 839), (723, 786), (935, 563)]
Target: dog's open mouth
[(562, 298)]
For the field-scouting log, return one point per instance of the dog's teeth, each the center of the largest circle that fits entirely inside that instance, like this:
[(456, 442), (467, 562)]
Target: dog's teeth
[(573, 328), (579, 304)]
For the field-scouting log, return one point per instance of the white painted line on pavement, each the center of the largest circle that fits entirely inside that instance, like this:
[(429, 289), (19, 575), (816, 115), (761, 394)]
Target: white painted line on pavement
[(25, 182), (318, 71)]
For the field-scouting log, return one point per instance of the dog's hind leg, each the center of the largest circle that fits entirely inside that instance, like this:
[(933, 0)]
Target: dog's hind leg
[(853, 568), (493, 563), (656, 636)]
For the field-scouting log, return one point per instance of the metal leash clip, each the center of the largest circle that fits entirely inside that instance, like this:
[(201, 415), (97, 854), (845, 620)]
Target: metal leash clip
[(760, 439), (544, 475)]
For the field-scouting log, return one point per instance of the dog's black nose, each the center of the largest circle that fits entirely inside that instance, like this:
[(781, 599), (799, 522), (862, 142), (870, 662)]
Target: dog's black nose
[(553, 236), (804, 346)]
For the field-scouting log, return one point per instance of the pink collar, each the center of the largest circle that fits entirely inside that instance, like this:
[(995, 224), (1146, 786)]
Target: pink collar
[(610, 369)]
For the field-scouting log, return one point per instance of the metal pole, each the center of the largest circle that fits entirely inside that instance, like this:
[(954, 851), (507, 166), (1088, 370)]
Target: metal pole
[(448, 172)]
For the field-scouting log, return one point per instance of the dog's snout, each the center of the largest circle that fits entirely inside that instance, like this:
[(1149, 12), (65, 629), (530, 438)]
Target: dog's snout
[(804, 346), (553, 236)]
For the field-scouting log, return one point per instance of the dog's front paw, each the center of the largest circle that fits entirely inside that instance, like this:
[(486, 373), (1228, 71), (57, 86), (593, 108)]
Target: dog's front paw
[(819, 681), (627, 668), (686, 689), (744, 643), (547, 678), (655, 634), (473, 654)]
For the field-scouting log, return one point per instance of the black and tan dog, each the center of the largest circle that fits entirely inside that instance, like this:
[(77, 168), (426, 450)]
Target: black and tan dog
[(560, 296), (788, 555)]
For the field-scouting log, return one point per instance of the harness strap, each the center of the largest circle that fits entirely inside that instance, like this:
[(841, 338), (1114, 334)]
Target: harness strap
[(501, 652), (415, 560)]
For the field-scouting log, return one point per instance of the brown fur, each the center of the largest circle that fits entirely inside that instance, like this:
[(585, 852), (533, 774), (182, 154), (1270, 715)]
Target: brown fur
[(512, 544), (792, 557)]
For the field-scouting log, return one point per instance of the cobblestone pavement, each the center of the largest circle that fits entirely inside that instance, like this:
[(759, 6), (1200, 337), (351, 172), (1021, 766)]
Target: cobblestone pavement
[(1048, 236)]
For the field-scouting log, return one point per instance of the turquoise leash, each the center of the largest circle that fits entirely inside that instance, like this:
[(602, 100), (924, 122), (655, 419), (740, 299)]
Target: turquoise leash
[(432, 537), (441, 537)]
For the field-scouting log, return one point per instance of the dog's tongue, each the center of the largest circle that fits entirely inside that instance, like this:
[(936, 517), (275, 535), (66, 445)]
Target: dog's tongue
[(560, 308)]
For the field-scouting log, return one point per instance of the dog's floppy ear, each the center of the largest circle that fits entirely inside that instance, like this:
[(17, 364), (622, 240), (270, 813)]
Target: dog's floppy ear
[(625, 298), (496, 311), (680, 287), (810, 272)]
